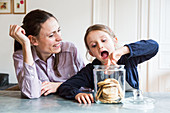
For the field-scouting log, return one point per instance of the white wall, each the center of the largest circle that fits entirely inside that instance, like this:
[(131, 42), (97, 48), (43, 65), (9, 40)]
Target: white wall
[(74, 17), (134, 20)]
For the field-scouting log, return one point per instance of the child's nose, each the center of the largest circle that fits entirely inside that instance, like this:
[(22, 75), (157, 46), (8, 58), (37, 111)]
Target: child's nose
[(100, 46)]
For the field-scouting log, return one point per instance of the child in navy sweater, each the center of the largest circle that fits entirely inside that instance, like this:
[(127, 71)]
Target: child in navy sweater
[(100, 42)]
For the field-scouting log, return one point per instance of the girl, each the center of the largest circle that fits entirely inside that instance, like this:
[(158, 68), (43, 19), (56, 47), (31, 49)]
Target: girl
[(42, 67), (100, 42)]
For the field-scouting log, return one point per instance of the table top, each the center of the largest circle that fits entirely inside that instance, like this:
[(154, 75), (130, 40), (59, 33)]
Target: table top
[(12, 102)]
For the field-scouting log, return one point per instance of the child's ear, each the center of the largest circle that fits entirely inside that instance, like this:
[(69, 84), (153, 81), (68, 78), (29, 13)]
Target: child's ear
[(33, 40), (91, 53)]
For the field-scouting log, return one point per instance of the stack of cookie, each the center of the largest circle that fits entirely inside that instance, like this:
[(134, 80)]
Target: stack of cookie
[(109, 91)]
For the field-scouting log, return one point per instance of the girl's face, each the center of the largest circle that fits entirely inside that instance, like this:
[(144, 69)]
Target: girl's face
[(100, 44), (49, 38)]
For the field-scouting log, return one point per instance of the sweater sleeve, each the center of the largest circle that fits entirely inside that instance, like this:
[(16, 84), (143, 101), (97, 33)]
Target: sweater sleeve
[(142, 50), (84, 78), (139, 52)]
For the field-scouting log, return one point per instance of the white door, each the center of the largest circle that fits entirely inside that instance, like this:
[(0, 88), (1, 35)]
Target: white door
[(159, 68), (134, 20)]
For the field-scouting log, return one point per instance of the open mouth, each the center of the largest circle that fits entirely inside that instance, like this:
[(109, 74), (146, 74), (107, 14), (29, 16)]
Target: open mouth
[(104, 54)]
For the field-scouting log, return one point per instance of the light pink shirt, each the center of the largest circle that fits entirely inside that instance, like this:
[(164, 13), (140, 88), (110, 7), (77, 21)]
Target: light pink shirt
[(30, 78)]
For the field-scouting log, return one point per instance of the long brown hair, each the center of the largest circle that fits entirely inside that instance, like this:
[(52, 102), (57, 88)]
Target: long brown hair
[(32, 26)]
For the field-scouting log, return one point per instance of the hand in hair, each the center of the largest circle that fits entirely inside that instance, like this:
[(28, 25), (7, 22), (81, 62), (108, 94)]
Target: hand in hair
[(18, 33)]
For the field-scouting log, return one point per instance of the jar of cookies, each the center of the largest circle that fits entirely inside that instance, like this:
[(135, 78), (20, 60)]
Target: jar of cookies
[(109, 83)]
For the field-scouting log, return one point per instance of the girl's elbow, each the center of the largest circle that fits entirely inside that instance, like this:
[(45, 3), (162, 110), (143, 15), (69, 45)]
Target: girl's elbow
[(155, 45)]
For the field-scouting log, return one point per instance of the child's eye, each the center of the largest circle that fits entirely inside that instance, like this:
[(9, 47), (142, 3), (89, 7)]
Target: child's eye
[(103, 40), (94, 45), (51, 35), (59, 30)]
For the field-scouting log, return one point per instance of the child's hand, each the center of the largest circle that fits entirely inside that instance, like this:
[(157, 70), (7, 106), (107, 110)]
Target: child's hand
[(85, 98), (116, 55), (113, 58)]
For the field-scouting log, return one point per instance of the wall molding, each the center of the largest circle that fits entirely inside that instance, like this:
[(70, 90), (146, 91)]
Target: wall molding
[(137, 20), (107, 9)]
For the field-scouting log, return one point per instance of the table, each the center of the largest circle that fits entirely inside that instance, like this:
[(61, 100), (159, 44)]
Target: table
[(12, 102)]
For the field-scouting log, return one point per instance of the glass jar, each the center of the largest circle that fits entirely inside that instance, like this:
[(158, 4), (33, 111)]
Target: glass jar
[(109, 83)]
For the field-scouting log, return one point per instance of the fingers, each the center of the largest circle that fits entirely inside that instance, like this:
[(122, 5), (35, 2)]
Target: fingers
[(108, 63), (44, 84), (49, 87), (45, 88), (47, 92), (79, 100), (23, 31), (43, 91), (91, 98), (114, 62), (113, 59), (18, 33), (84, 98), (13, 29)]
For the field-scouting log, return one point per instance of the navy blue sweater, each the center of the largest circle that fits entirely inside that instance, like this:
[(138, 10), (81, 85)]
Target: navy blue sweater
[(139, 52)]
